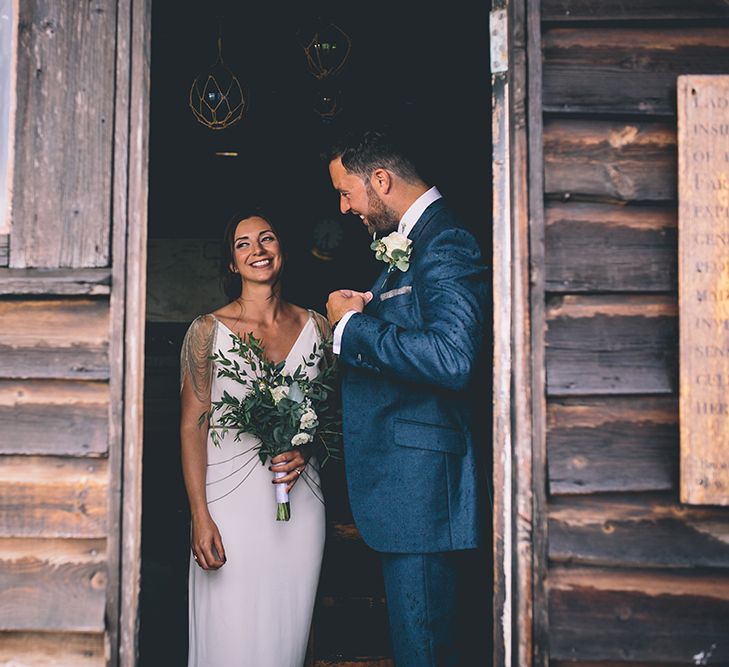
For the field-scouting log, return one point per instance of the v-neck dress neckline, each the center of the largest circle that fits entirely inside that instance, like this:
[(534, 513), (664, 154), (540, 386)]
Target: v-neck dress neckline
[(293, 346)]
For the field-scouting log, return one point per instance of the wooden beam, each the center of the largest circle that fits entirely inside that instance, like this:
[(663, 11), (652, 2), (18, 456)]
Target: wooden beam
[(593, 247), (52, 585), (627, 70), (611, 345), (501, 128), (53, 497), (77, 282), (54, 339), (534, 517), (612, 161), (117, 348), (599, 445), (54, 417), (129, 209)]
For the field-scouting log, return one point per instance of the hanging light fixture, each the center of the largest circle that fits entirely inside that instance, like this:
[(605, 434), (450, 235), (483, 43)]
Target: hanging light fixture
[(216, 97), (327, 101), (328, 50)]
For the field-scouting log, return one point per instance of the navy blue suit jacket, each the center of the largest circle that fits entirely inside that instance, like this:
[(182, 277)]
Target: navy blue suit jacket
[(412, 469)]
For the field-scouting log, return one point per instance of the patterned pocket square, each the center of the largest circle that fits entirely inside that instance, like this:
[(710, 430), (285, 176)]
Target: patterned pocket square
[(396, 292)]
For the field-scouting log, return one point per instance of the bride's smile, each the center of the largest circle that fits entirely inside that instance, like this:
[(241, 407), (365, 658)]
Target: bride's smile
[(257, 250)]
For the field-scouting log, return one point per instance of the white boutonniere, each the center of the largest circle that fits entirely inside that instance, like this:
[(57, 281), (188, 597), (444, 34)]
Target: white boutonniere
[(394, 249)]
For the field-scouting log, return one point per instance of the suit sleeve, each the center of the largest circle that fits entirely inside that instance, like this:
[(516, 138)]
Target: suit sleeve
[(450, 282)]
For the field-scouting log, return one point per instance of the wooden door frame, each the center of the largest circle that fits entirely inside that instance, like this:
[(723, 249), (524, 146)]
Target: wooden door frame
[(129, 275), (520, 612), (518, 326)]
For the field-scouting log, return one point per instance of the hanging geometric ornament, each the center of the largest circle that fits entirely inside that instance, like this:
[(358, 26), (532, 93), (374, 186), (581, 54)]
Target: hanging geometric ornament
[(327, 101), (328, 50), (216, 97)]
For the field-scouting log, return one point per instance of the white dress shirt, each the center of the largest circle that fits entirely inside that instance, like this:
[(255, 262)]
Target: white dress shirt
[(407, 222)]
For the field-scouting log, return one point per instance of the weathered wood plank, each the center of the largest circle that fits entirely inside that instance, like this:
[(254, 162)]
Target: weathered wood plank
[(637, 531), (4, 249), (611, 345), (129, 211), (53, 497), (63, 140), (54, 417), (612, 444), (627, 70), (502, 123), (610, 160), (52, 585), (626, 616), (618, 10), (51, 649), (607, 248), (88, 282), (54, 338)]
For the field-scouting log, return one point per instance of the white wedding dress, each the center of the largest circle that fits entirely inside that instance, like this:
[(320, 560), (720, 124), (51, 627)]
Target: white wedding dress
[(255, 611)]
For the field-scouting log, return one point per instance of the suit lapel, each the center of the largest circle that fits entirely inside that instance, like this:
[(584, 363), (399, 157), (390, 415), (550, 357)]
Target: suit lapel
[(424, 219), (384, 279)]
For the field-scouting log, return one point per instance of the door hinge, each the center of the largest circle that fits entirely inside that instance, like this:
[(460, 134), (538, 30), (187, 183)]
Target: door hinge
[(499, 41)]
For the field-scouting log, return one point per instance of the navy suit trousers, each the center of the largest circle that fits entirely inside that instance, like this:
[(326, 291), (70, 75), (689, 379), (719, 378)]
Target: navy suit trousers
[(438, 614)]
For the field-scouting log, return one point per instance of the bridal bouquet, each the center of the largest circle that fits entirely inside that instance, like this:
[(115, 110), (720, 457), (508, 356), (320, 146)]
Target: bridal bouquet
[(281, 410)]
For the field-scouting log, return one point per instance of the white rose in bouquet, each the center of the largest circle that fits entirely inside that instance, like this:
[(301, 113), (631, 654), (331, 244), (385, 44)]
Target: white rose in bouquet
[(308, 420), (301, 439), (279, 393)]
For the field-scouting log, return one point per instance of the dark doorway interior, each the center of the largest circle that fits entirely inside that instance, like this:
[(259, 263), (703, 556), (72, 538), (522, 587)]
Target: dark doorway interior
[(427, 72)]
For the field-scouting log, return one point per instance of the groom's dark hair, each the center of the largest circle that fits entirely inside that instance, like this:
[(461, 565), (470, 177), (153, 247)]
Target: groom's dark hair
[(364, 151)]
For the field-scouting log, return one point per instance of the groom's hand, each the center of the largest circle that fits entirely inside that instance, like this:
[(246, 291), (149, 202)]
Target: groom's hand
[(344, 300)]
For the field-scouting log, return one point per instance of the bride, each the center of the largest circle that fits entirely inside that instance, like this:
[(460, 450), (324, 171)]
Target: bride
[(252, 579)]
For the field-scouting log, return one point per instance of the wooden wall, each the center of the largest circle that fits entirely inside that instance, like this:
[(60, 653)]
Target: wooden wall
[(632, 576), (59, 526)]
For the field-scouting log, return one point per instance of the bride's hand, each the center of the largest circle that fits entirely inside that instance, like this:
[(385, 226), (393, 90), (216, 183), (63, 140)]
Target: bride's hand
[(206, 543), (292, 463)]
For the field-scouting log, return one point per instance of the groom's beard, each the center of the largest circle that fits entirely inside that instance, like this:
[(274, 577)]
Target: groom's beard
[(380, 217)]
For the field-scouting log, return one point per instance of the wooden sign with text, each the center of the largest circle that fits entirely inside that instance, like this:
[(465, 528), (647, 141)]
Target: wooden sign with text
[(703, 224)]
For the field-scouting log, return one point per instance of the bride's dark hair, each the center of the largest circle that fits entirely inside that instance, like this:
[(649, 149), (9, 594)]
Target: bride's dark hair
[(230, 281)]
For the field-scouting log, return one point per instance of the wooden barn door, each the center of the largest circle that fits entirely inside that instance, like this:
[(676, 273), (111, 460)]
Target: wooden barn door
[(71, 327), (608, 567)]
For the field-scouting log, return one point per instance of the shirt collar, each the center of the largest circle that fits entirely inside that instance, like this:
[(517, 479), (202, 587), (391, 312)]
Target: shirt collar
[(417, 208)]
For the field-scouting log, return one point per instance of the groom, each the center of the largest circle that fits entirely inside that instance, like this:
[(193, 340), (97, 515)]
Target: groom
[(408, 350)]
